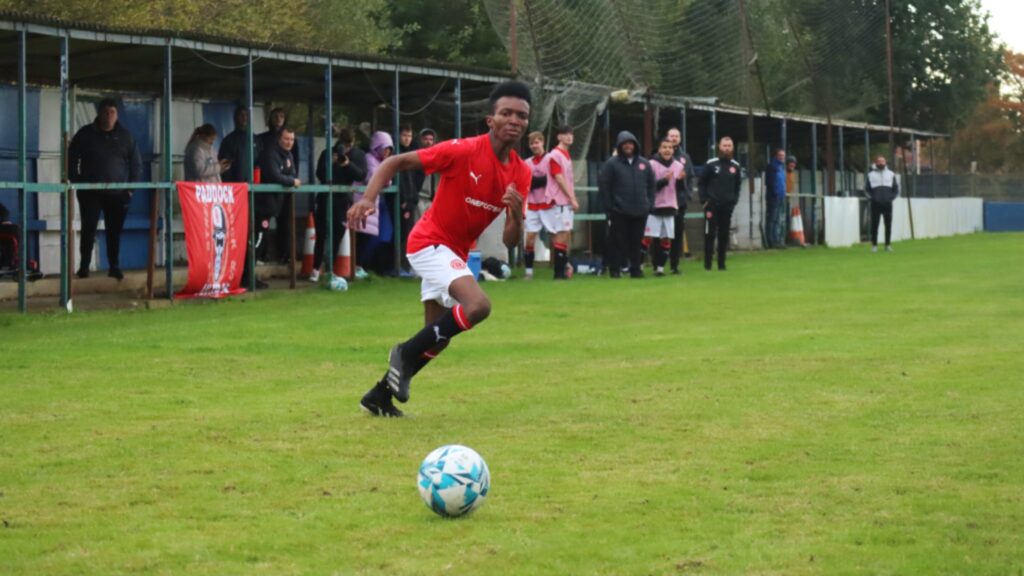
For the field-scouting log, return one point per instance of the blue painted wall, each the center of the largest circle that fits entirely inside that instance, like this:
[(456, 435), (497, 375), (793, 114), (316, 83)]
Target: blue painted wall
[(1004, 216)]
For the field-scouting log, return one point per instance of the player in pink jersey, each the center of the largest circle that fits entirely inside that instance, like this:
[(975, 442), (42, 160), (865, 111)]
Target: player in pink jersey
[(481, 177), (668, 174), (537, 200)]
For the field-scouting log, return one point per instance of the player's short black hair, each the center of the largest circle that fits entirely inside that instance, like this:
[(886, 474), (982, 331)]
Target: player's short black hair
[(105, 103), (512, 89), (563, 129)]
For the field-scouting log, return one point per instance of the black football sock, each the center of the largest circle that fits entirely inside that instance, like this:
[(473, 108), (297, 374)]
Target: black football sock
[(426, 357), (453, 322), (560, 260), (528, 258)]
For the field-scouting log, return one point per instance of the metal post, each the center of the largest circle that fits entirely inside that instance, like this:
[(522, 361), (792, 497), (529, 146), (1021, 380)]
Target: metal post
[(168, 147), (329, 169), (785, 137), (397, 215), (22, 172), (65, 129), (682, 130), (867, 154), (714, 133), (458, 107), (842, 163), (250, 155), (814, 181)]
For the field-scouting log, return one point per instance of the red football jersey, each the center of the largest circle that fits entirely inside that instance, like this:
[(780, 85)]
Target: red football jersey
[(469, 193)]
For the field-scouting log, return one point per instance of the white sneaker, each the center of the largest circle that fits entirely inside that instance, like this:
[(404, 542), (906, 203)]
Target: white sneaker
[(314, 276), (361, 274), (874, 248), (888, 249)]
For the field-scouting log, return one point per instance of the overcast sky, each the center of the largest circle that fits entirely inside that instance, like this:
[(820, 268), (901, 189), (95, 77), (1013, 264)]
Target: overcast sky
[(1007, 21)]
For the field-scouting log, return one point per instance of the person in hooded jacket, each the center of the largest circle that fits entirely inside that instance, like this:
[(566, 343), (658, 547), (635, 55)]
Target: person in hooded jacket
[(626, 187), (375, 234), (775, 199)]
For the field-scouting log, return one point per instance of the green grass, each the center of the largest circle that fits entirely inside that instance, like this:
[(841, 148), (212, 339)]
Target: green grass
[(807, 412)]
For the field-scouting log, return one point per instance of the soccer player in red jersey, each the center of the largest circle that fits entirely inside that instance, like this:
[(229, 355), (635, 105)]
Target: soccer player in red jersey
[(480, 178)]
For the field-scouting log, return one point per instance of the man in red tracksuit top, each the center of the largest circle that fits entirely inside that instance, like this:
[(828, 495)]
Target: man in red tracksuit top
[(481, 177)]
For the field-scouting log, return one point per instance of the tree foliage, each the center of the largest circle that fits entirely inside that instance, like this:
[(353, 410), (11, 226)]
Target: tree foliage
[(358, 26), (450, 31), (945, 57)]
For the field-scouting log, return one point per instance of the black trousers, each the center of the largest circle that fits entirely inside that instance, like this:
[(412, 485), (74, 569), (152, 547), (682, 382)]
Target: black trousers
[(627, 234), (878, 210), (342, 202), (676, 253), (285, 216), (717, 221), (407, 221), (114, 207)]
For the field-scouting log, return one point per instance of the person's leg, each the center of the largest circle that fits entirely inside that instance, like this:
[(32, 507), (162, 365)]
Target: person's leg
[(677, 243), (616, 244), (634, 245), (285, 216), (710, 233), (770, 221), (887, 213), (876, 215), (320, 220), (89, 212), (560, 244), (724, 228), (115, 211)]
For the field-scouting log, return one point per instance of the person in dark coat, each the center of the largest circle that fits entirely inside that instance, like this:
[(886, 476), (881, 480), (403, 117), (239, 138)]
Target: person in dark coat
[(348, 167), (719, 193), (103, 152), (626, 187)]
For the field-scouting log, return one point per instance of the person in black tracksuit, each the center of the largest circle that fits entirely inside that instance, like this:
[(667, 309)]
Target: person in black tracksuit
[(103, 151), (626, 187), (348, 167), (682, 196), (882, 186), (277, 166), (276, 122), (719, 190)]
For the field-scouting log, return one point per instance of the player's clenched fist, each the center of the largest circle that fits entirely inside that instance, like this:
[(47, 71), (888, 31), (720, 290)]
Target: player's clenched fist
[(513, 200)]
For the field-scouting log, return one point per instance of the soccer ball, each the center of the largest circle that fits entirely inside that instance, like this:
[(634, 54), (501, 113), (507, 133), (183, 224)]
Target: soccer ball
[(337, 284), (453, 480)]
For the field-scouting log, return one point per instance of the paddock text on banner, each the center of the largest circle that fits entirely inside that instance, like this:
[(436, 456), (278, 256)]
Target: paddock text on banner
[(216, 219)]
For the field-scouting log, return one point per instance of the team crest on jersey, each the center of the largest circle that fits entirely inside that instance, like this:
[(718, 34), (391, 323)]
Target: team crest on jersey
[(458, 264), (642, 166), (732, 169)]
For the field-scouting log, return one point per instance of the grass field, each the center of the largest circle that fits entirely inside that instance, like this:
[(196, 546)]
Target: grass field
[(806, 412)]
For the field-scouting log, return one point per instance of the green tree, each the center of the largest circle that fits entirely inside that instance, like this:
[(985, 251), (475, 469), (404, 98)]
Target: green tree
[(456, 31), (945, 58)]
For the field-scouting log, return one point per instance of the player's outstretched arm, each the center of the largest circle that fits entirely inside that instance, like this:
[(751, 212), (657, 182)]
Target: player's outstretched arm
[(513, 217), (367, 205)]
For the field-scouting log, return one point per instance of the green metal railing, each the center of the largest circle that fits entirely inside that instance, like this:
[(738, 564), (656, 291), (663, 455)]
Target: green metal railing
[(67, 191)]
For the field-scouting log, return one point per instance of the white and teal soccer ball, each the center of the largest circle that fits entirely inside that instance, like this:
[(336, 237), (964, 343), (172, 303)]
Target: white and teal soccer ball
[(453, 480), (337, 284)]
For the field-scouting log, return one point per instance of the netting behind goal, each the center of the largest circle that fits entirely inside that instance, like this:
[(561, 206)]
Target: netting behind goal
[(804, 56)]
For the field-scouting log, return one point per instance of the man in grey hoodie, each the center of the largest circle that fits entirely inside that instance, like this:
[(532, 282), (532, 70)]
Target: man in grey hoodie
[(626, 186)]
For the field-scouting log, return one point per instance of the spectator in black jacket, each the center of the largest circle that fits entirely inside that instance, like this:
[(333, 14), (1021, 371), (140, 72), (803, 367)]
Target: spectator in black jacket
[(719, 193), (409, 193), (626, 186), (277, 166), (103, 151), (277, 121), (348, 167), (234, 149), (683, 188)]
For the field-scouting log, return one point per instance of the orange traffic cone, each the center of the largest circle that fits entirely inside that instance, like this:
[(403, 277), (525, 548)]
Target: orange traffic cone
[(307, 252), (796, 227), (343, 258)]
